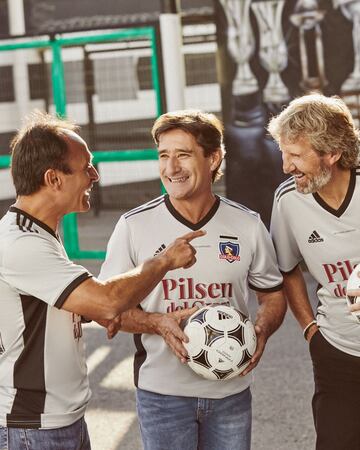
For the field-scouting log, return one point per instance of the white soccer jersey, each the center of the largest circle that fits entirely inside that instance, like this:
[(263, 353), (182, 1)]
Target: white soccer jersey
[(43, 375), (236, 252), (305, 228)]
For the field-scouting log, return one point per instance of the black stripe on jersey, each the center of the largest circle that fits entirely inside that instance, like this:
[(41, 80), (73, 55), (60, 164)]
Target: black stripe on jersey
[(31, 223), (18, 217), (285, 183), (29, 375), (68, 290), (38, 222), (192, 226), (272, 289), (238, 206), (285, 191), (349, 194), (23, 224), (146, 207), (234, 238), (140, 356), (285, 187)]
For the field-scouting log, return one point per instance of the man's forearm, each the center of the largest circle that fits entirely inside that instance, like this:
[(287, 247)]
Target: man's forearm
[(297, 296), (138, 321), (271, 311), (131, 288)]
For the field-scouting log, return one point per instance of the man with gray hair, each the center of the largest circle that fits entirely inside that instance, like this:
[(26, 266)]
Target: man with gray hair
[(315, 219)]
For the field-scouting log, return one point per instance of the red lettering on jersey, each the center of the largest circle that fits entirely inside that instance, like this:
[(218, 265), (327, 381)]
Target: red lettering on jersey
[(340, 291), (186, 289), (200, 290), (199, 303), (340, 271), (168, 285), (213, 287)]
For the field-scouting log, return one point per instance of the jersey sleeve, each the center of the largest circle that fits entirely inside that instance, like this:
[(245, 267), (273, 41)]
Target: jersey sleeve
[(35, 266), (286, 247), (264, 274), (120, 253)]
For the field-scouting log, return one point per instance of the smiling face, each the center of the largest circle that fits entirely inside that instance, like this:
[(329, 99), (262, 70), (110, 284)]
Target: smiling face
[(311, 171), (184, 169), (77, 185)]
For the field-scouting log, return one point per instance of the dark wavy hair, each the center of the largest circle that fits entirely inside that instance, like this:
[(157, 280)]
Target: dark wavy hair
[(206, 128)]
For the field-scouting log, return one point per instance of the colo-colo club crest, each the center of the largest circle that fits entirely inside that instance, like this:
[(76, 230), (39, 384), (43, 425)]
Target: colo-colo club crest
[(229, 251)]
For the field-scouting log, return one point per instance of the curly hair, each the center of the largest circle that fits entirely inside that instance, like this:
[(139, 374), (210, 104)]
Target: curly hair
[(326, 124)]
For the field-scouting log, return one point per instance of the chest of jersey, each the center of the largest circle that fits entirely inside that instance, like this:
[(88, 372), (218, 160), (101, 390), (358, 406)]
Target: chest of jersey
[(328, 243)]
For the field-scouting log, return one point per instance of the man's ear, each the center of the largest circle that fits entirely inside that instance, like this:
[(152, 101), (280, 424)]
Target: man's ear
[(334, 157), (216, 158), (52, 179)]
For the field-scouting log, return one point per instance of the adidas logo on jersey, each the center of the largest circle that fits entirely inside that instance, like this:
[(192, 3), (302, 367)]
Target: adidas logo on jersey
[(315, 237), (222, 315), (160, 249)]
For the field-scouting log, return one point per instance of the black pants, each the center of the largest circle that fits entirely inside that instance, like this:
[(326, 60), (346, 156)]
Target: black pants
[(336, 401)]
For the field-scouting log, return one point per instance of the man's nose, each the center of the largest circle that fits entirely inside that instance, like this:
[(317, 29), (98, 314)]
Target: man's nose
[(94, 174), (288, 165), (173, 165)]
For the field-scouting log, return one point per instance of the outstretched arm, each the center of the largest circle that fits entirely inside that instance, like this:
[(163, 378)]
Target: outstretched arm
[(99, 300)]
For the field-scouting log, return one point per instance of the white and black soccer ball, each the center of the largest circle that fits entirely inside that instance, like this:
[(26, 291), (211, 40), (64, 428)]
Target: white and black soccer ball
[(353, 283), (221, 343)]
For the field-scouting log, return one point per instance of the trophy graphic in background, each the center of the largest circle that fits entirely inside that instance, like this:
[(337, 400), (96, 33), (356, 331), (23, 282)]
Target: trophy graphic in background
[(273, 51), (241, 44), (306, 17), (351, 10)]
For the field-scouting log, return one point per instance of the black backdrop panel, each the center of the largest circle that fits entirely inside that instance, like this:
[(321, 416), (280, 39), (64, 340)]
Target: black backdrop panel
[(4, 23), (44, 16)]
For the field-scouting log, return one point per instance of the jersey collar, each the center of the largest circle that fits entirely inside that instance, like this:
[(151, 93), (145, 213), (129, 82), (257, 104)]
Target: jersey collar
[(37, 221), (192, 226), (349, 194)]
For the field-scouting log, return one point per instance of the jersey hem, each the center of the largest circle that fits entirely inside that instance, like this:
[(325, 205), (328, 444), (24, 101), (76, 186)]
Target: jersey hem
[(202, 394), (338, 347), (44, 420), (272, 289)]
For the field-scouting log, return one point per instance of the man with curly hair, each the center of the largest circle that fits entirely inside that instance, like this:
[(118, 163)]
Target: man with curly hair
[(315, 219)]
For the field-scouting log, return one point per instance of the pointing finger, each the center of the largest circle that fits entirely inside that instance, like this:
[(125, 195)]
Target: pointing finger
[(192, 235)]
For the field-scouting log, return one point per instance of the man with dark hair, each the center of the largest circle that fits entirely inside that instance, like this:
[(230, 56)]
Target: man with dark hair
[(44, 387), (315, 219), (177, 408)]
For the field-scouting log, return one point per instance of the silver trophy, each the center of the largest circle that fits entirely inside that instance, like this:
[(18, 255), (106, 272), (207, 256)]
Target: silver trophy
[(273, 51), (241, 44), (351, 10), (307, 16)]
